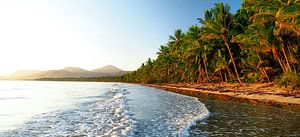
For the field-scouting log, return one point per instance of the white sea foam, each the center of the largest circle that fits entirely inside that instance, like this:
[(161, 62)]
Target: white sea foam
[(184, 132), (186, 114), (161, 113)]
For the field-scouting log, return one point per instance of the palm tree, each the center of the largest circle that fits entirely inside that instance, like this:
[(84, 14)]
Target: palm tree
[(217, 25), (251, 37), (177, 48), (193, 53), (283, 15), (176, 41), (221, 65), (165, 61)]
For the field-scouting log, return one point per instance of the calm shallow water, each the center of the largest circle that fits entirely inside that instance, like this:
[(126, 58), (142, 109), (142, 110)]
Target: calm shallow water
[(240, 119), (32, 108)]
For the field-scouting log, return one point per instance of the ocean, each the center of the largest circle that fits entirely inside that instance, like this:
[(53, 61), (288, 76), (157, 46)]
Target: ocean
[(56, 109), (39, 108)]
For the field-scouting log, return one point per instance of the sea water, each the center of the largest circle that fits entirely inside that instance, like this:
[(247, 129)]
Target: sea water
[(39, 108)]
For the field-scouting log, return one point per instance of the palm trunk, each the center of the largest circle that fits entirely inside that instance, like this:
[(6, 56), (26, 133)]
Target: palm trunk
[(233, 62), (199, 71), (286, 58), (206, 71), (226, 80), (264, 71), (292, 57), (281, 64), (221, 75), (276, 57)]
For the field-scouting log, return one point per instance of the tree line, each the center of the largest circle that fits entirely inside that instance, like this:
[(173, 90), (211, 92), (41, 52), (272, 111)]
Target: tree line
[(258, 43)]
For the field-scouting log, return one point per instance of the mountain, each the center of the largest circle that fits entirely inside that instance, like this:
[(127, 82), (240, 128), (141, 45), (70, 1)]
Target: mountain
[(109, 69), (70, 72), (75, 70), (60, 74)]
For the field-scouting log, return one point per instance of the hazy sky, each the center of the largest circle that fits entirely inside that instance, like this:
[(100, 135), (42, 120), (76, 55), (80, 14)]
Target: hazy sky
[(53, 34)]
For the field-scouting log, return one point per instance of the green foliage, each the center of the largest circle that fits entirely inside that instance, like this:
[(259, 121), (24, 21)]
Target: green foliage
[(259, 43), (289, 79)]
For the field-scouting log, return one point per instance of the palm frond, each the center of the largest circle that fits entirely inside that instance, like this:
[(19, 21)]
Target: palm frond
[(262, 18)]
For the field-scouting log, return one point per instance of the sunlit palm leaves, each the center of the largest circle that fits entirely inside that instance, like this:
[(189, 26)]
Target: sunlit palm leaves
[(260, 42)]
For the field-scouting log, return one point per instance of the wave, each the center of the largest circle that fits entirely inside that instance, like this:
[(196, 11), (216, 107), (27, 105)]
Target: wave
[(161, 113), (184, 132), (191, 111)]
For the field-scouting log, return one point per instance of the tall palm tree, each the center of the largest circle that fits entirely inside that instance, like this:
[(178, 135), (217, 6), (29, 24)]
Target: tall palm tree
[(216, 25), (177, 47), (176, 41), (165, 59), (253, 41), (251, 37), (284, 16), (196, 51)]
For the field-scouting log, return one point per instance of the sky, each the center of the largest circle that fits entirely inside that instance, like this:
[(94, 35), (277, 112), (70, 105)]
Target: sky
[(53, 34)]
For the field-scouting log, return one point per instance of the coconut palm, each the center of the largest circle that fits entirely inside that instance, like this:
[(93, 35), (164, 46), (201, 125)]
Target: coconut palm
[(216, 25), (283, 15), (260, 42), (194, 52)]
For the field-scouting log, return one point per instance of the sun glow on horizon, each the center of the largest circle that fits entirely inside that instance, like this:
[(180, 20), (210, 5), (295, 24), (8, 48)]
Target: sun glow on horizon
[(53, 34), (40, 35), (34, 37)]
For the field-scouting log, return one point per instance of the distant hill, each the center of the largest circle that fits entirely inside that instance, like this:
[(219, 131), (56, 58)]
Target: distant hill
[(75, 70), (68, 72), (109, 69)]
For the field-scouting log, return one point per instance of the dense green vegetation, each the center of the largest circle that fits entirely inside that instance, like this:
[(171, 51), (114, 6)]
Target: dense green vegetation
[(258, 43)]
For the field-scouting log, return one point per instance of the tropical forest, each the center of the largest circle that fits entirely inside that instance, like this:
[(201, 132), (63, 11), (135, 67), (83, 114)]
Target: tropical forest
[(260, 42)]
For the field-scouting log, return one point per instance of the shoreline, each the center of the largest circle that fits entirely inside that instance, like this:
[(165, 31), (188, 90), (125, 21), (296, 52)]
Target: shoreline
[(256, 94)]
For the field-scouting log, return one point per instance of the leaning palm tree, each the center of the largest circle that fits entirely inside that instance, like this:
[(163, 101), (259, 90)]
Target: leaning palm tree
[(217, 25), (254, 43), (251, 38), (283, 16)]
